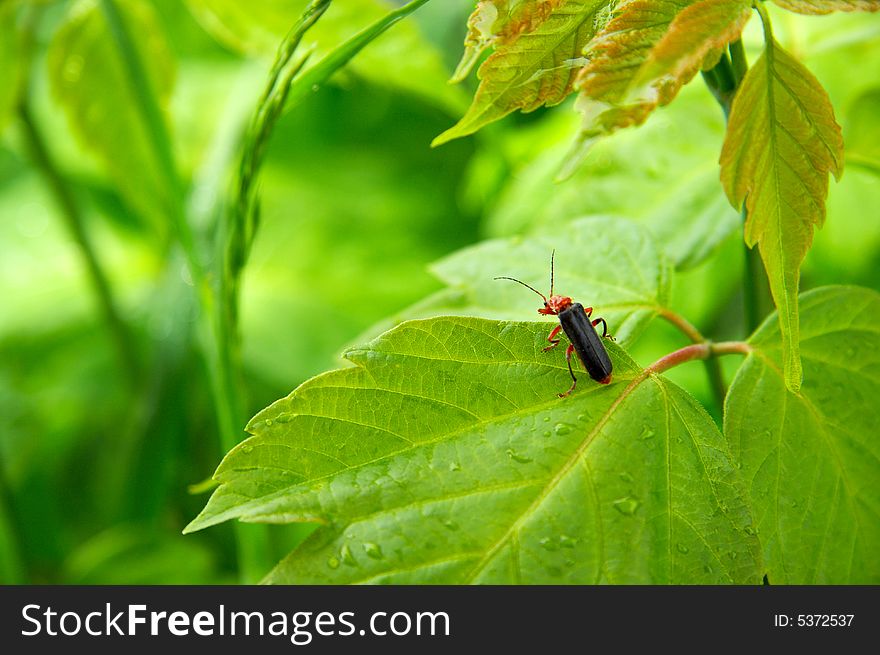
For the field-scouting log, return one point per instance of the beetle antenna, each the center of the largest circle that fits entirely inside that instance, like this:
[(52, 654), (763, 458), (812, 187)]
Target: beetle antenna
[(513, 279), (552, 257)]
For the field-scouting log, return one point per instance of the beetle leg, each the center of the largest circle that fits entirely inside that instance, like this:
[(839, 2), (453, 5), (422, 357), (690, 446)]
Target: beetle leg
[(604, 328), (552, 338), (574, 380), (588, 311)]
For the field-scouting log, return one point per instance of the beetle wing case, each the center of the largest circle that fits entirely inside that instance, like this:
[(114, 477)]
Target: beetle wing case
[(586, 341)]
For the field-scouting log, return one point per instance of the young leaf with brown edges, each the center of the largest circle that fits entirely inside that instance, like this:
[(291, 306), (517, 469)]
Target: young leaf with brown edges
[(535, 62), (646, 53), (782, 142)]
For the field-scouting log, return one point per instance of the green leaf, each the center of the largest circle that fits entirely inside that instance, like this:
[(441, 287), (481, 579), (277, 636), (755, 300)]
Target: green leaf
[(782, 142), (863, 131), (812, 459), (88, 78), (403, 58), (11, 62), (535, 65), (674, 192), (646, 53), (813, 7), (444, 455), (601, 261)]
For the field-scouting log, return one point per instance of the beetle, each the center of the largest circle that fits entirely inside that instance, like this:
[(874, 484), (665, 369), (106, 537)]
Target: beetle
[(575, 321)]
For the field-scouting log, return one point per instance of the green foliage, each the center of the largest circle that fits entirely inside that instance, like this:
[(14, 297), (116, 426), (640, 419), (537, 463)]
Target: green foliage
[(440, 452), (782, 143), (628, 283), (11, 51), (444, 455), (535, 61), (404, 59), (810, 458), (827, 6), (674, 192), (83, 64)]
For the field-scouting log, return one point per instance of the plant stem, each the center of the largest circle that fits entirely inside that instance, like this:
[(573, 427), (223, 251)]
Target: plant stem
[(738, 61), (74, 220), (724, 81), (756, 288), (704, 350), (218, 346), (713, 367)]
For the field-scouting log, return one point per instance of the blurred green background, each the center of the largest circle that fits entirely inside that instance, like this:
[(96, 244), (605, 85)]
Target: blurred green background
[(98, 459)]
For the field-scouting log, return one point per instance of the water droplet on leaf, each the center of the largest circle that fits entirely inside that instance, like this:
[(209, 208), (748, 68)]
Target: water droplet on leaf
[(682, 549), (563, 429), (373, 550), (627, 505), (347, 557), (333, 563), (520, 459)]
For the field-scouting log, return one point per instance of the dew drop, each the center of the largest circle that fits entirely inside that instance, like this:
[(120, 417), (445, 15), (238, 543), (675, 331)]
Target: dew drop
[(582, 417), (268, 422), (454, 466), (750, 530), (546, 419), (626, 477), (647, 433), (284, 417), (547, 433), (373, 550), (346, 556), (732, 555), (315, 88), (627, 505), (247, 449), (450, 525), (707, 569), (549, 544), (563, 429), (566, 542), (333, 563), (682, 549), (520, 459)]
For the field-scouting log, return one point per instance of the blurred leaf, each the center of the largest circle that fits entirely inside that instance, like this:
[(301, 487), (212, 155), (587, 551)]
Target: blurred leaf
[(444, 456), (811, 458), (89, 79), (863, 131), (11, 62), (132, 555), (535, 65), (646, 53), (635, 174), (812, 7), (402, 58), (781, 144), (605, 262)]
